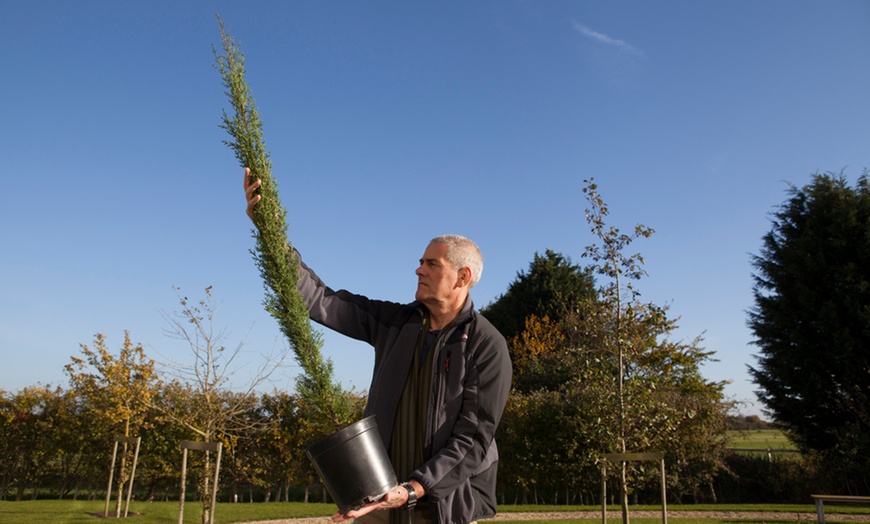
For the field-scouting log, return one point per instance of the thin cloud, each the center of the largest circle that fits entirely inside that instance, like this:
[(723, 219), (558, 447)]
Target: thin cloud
[(604, 39)]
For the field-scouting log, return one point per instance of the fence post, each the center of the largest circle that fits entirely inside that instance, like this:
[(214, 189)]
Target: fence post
[(125, 440), (604, 492), (111, 478), (631, 457), (132, 476), (199, 446)]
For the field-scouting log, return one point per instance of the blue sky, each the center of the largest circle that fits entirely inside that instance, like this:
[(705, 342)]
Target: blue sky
[(390, 123)]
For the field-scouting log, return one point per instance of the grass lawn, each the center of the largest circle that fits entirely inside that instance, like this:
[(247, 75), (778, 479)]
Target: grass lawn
[(761, 439), (69, 511), (76, 511)]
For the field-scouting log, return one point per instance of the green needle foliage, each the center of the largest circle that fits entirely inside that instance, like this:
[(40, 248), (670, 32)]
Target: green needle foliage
[(273, 254)]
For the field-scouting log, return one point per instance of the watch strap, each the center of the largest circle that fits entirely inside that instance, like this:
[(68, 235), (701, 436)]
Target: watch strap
[(412, 496)]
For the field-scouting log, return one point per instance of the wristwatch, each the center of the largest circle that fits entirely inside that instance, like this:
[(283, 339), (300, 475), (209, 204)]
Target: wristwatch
[(412, 496)]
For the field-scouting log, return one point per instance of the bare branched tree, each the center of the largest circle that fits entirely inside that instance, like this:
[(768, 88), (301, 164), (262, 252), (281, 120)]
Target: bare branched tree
[(202, 397)]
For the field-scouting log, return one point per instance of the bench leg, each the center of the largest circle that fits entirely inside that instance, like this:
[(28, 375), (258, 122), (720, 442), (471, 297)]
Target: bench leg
[(820, 511)]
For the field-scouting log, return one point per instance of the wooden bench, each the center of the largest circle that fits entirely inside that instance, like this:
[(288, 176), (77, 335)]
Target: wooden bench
[(821, 499)]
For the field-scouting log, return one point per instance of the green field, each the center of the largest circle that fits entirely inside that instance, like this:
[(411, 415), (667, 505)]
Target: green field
[(760, 439), (79, 511), (75, 512)]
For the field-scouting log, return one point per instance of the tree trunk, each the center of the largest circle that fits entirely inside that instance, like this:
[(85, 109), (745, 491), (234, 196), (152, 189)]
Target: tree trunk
[(623, 492), (713, 498)]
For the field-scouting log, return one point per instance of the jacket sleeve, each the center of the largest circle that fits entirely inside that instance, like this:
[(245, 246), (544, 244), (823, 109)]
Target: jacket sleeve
[(347, 313), (470, 447)]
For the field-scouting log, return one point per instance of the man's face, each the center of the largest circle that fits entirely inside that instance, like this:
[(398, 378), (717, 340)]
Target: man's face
[(436, 277)]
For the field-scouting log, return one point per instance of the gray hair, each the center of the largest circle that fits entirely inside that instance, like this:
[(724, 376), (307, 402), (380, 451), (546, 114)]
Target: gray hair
[(462, 252)]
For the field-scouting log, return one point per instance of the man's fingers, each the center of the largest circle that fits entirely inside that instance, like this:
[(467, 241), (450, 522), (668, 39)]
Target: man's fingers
[(250, 185)]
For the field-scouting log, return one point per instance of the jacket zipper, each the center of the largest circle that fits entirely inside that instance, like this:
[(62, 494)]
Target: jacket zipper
[(438, 378)]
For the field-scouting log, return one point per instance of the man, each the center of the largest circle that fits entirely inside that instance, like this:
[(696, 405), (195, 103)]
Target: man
[(441, 379)]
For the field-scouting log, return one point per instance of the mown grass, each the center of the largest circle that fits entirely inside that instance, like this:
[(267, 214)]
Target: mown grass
[(78, 511), (74, 512), (761, 439)]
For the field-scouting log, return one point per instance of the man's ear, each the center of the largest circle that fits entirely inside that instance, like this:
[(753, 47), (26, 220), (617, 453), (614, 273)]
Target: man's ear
[(464, 277)]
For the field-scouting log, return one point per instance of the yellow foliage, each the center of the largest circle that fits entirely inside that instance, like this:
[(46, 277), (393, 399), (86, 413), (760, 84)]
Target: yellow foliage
[(120, 387), (540, 337)]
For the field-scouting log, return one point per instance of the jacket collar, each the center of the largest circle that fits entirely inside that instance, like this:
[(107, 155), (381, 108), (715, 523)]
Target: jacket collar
[(463, 317)]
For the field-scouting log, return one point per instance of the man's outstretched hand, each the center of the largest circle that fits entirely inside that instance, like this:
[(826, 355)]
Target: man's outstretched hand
[(251, 194), (393, 500)]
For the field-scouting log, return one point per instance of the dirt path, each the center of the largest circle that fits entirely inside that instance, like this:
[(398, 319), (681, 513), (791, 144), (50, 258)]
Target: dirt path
[(616, 517)]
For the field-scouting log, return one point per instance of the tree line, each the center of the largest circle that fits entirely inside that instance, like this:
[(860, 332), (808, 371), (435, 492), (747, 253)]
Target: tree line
[(56, 444), (57, 441), (596, 371)]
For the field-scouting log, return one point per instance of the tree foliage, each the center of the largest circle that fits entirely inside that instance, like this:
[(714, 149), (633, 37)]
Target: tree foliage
[(606, 376), (273, 253), (116, 391), (552, 287), (811, 317), (25, 424), (118, 387), (612, 263)]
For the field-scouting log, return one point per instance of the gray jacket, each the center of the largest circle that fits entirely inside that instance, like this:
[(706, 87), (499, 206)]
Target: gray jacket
[(470, 386)]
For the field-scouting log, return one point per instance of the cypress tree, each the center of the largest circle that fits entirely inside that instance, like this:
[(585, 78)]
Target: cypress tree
[(811, 318), (273, 253)]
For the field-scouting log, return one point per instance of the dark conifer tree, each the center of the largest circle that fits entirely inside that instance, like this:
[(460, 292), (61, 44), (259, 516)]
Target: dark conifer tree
[(552, 287), (811, 317)]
